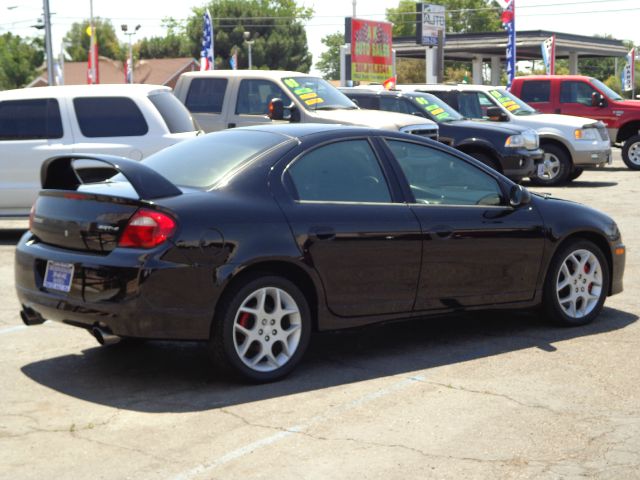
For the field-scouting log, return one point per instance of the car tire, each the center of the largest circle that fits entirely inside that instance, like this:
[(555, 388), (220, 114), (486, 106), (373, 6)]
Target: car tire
[(488, 160), (631, 152), (577, 283), (558, 167), (575, 173), (278, 337)]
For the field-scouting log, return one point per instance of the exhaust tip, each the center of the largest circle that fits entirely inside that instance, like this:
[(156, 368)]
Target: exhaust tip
[(104, 338), (31, 317)]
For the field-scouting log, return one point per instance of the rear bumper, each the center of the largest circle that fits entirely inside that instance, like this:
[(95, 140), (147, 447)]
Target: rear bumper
[(127, 293), (521, 163)]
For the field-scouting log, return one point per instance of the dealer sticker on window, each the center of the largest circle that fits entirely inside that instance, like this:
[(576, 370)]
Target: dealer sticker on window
[(58, 276)]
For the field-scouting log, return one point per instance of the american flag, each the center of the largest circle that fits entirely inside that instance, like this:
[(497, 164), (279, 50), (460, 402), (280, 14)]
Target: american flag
[(509, 21), (206, 55)]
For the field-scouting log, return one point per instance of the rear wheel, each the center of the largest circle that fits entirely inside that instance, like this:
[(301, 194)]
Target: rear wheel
[(262, 329), (557, 167), (576, 284), (631, 152)]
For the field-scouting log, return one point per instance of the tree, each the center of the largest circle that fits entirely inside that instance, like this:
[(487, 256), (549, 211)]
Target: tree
[(79, 41), (174, 44), (19, 60), (329, 63), (276, 28), (462, 16)]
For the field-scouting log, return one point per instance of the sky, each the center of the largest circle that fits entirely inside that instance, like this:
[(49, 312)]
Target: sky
[(619, 18)]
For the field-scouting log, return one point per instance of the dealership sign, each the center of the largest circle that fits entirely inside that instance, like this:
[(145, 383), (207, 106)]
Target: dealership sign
[(371, 47), (433, 22)]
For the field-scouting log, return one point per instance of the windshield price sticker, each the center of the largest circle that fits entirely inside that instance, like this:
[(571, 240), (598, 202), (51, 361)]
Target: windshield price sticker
[(433, 109), (306, 94), (506, 102)]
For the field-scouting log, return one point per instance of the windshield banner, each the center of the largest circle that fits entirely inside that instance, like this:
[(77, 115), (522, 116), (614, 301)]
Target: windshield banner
[(371, 56)]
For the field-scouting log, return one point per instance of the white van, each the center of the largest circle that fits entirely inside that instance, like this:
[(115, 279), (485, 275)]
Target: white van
[(132, 121)]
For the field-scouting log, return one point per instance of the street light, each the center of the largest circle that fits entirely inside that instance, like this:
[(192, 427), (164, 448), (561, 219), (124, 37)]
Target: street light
[(247, 36), (125, 29)]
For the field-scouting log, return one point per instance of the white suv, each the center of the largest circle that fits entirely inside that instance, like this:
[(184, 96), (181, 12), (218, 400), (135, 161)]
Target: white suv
[(132, 121)]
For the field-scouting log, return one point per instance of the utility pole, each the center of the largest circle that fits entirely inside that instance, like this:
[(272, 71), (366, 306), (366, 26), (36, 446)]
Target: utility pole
[(92, 44), (47, 42), (125, 29), (354, 9), (249, 43)]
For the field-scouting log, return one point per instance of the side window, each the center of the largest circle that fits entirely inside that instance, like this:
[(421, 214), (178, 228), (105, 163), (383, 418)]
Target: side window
[(393, 104), (536, 91), (346, 171), (365, 101), (469, 105), (576, 92), (206, 95), (436, 177), (109, 117), (254, 97), (173, 112), (30, 119)]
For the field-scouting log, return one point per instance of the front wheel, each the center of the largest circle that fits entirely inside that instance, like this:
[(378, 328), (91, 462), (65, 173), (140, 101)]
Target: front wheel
[(557, 167), (631, 152), (576, 284), (262, 329)]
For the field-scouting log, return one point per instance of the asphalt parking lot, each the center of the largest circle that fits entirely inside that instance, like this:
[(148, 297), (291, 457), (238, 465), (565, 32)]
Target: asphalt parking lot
[(473, 396)]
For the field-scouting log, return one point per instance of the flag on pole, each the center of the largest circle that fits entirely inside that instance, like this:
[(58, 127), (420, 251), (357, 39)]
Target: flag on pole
[(206, 55), (93, 72), (629, 72), (509, 22), (389, 83), (549, 55)]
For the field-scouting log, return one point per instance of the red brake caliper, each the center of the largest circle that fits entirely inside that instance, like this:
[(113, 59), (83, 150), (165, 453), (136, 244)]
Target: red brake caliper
[(244, 319), (587, 269)]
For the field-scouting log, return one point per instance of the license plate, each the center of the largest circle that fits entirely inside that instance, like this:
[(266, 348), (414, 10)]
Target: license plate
[(540, 169), (58, 276)]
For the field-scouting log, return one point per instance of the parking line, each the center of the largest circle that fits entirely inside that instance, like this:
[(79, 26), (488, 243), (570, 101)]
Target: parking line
[(286, 432), (17, 328)]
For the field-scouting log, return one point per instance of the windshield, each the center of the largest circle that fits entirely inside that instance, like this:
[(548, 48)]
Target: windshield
[(511, 102), (436, 109), (204, 161), (606, 90), (316, 94)]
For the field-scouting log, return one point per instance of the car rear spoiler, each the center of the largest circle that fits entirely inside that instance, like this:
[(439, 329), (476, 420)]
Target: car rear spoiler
[(58, 173)]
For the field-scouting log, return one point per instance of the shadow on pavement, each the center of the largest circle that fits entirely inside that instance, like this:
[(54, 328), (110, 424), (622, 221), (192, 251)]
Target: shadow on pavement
[(177, 377), (10, 236)]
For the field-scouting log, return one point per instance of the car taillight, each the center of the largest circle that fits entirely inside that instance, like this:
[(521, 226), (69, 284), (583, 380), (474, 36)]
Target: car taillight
[(32, 213), (147, 229)]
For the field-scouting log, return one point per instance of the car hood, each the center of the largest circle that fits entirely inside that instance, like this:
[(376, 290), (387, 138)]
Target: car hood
[(485, 125), (372, 118), (552, 119)]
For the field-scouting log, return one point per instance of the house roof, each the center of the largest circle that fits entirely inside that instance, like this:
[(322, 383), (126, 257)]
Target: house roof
[(156, 71)]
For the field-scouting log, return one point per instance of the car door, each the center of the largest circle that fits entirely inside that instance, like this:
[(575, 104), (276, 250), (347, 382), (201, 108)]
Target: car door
[(348, 222), (31, 130), (576, 98), (477, 249)]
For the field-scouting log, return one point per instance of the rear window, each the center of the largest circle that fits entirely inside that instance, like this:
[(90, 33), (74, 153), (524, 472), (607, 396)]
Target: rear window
[(174, 113), (109, 117), (536, 91), (205, 160), (206, 95), (30, 119)]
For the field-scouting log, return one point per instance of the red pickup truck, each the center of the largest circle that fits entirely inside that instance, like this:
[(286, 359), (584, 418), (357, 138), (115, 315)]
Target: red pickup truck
[(586, 97)]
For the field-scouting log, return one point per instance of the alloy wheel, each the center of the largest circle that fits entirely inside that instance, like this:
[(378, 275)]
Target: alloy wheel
[(267, 329), (579, 285)]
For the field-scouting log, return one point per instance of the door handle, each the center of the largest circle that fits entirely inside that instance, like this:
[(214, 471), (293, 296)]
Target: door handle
[(322, 233)]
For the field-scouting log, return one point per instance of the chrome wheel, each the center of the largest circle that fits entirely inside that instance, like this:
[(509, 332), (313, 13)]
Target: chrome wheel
[(551, 167), (267, 329), (579, 284)]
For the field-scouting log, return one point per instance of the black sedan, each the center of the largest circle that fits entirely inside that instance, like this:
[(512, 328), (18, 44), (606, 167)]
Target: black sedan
[(252, 238)]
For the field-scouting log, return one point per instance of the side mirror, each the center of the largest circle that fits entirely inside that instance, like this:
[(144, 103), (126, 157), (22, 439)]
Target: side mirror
[(496, 114), (598, 100), (276, 109), (519, 196)]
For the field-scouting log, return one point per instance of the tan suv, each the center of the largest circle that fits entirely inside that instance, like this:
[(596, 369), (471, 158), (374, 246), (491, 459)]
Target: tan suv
[(220, 99)]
